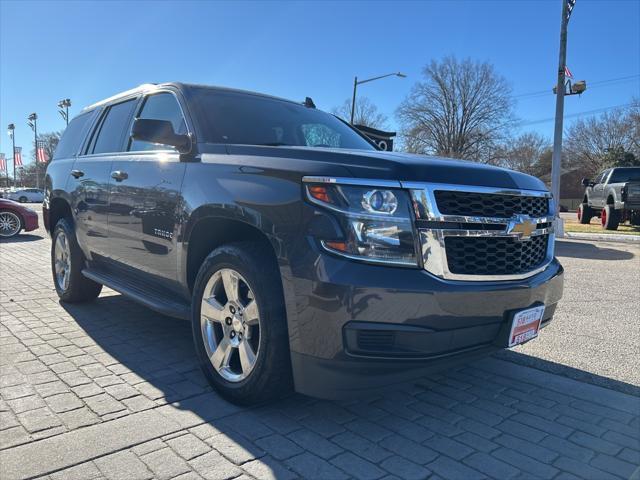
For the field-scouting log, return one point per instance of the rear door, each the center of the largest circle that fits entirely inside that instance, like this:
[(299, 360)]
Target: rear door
[(91, 176), (145, 196)]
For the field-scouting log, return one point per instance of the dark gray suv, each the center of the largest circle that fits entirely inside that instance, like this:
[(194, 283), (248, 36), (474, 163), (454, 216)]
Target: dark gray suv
[(303, 256)]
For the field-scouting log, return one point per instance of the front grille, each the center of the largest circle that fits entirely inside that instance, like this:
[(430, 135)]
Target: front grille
[(494, 255), (474, 204)]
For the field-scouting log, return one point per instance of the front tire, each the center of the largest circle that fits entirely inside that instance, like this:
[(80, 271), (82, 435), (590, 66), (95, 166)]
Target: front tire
[(67, 262), (10, 224), (585, 213), (609, 218), (239, 324), (22, 199)]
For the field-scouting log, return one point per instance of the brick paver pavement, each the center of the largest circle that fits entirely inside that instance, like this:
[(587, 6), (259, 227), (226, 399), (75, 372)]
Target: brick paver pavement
[(112, 390)]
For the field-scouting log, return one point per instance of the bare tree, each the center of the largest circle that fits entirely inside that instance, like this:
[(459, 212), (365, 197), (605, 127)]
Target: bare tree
[(366, 113), (462, 109), (525, 152), (598, 142)]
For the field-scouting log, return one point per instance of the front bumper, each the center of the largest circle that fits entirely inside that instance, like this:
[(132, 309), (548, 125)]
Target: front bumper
[(413, 322)]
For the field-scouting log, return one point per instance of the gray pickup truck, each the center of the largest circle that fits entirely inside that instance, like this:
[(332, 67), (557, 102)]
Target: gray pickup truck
[(303, 256), (613, 196)]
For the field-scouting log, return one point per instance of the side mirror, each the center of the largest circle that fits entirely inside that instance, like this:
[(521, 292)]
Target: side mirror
[(160, 132), (586, 182)]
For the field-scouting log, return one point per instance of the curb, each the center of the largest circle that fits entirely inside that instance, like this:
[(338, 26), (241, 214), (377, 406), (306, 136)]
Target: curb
[(604, 237)]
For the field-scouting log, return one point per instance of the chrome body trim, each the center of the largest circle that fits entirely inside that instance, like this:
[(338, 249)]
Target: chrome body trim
[(363, 182)]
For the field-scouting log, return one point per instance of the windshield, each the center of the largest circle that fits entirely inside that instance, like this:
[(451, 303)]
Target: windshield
[(621, 175), (247, 119)]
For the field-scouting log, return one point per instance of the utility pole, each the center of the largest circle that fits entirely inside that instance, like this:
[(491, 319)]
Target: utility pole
[(33, 123), (556, 158), (11, 131)]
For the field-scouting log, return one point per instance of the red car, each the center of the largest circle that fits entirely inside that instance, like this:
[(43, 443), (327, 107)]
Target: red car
[(15, 217)]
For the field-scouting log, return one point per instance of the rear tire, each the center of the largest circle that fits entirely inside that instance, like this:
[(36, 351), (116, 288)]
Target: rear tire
[(609, 218), (22, 199), (246, 362), (67, 262), (585, 213)]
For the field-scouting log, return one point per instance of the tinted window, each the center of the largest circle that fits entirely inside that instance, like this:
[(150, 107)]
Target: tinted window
[(110, 135), (621, 175), (239, 118), (73, 136), (162, 106)]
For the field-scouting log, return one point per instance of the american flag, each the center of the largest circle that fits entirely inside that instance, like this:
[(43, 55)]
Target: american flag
[(3, 163), (17, 156), (41, 154), (567, 72)]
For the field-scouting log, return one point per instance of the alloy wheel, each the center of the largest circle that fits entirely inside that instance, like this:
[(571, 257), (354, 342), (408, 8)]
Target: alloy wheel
[(230, 322), (9, 224), (62, 262)]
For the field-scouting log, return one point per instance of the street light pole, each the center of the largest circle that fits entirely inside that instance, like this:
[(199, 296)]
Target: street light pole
[(556, 159), (11, 131), (353, 99), (33, 123), (357, 82), (64, 104)]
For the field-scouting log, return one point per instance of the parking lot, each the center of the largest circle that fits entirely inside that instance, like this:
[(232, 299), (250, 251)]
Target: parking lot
[(112, 390)]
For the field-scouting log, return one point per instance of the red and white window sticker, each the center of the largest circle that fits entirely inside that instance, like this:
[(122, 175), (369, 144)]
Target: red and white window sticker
[(526, 325)]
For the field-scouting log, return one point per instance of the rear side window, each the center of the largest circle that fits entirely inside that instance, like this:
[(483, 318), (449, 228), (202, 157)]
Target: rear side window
[(111, 130), (73, 136), (162, 106)]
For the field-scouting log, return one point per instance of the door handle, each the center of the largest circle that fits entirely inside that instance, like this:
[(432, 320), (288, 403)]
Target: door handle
[(119, 175), (77, 173)]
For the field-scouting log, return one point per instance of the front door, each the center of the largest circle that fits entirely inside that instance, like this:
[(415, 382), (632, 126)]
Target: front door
[(145, 197)]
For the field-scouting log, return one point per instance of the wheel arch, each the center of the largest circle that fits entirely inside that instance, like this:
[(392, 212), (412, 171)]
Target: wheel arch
[(208, 232), (58, 208)]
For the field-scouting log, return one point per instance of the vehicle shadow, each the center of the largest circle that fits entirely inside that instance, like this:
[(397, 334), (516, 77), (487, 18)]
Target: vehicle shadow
[(21, 238), (590, 251), (566, 371), (155, 355)]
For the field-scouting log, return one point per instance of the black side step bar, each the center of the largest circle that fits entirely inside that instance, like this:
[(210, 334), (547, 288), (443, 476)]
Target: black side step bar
[(157, 301)]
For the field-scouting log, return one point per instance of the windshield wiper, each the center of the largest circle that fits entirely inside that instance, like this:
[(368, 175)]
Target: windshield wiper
[(275, 144)]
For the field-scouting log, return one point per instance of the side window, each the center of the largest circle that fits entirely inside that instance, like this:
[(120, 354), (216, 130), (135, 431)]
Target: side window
[(112, 128), (73, 136), (161, 106)]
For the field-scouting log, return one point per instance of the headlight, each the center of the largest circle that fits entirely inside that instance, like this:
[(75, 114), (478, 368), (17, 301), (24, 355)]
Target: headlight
[(376, 222)]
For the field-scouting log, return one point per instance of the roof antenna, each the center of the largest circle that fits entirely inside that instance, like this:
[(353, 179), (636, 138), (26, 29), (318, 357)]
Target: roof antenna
[(308, 102)]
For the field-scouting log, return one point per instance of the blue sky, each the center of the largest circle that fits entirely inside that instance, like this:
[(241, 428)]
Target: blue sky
[(90, 50)]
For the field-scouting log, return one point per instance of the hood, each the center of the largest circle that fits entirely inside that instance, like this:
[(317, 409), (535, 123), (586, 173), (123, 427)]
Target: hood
[(404, 167)]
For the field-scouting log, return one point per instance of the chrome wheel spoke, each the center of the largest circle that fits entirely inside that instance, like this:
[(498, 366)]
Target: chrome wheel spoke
[(251, 313), (222, 355), (212, 309), (247, 356), (231, 285)]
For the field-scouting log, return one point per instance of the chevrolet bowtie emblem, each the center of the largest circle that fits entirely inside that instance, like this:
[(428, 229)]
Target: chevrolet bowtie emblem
[(521, 227)]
